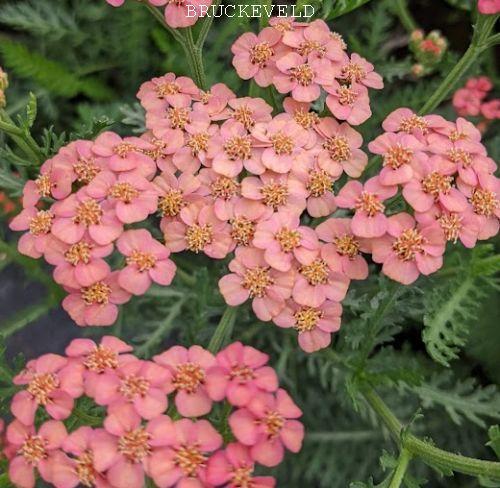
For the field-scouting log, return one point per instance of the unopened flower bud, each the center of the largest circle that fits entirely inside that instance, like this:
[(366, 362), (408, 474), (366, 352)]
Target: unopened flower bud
[(417, 70), (417, 35)]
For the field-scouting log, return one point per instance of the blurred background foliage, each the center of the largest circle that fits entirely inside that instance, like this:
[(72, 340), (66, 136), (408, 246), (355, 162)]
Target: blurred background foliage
[(84, 62)]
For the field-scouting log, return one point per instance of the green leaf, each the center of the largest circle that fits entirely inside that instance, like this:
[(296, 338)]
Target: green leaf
[(31, 110), (336, 8), (494, 443)]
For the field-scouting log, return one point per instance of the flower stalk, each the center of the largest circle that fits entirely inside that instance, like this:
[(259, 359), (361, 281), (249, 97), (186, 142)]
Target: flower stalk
[(401, 468), (224, 330)]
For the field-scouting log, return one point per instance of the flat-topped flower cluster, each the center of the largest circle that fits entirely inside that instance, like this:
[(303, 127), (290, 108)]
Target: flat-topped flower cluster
[(226, 175), (138, 433)]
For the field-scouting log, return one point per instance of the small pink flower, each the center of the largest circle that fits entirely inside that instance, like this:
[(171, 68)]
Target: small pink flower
[(432, 183), (314, 325), (167, 90), (408, 250), (224, 192), (359, 70), (147, 262), (467, 102), (126, 448), (199, 230), (283, 141), (283, 239), (175, 193), (340, 149), (481, 84), (460, 130), (275, 192), (97, 359), (96, 304), (180, 13), (304, 116), (348, 102), (140, 383), (34, 450), (133, 197), (50, 385), (233, 467), (250, 111), (314, 42), (317, 282), (342, 254), (80, 469), (407, 121), (79, 216), (169, 124), (239, 374), (255, 56), (243, 218), (231, 150), (302, 78), (183, 462), (491, 110), (79, 264), (400, 152), (199, 131), (163, 149), (189, 371), (268, 425), (367, 202), (125, 154), (39, 224), (252, 278), (286, 24), (214, 101)]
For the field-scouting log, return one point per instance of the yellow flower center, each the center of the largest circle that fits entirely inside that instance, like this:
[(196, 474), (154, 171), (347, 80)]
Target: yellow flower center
[(244, 115), (307, 318), (409, 124), (274, 194), (134, 445), (78, 253), (167, 88), (369, 203), (88, 213), (398, 155), (315, 273), (86, 170), (455, 136), (308, 47), (288, 239), (242, 477), (353, 73), (302, 74), (189, 458), (143, 260), (305, 119), (273, 423), (43, 185), (41, 223), (178, 117), (320, 182), (242, 230), (188, 377), (171, 203), (85, 469), (224, 187), (198, 236), (124, 192), (242, 373), (100, 359), (460, 156), (123, 149), (33, 450), (96, 294), (451, 225), (256, 281), (261, 53), (347, 245), (282, 144), (346, 95), (435, 183), (484, 202), (41, 386), (198, 142), (133, 386), (408, 244), (338, 148), (238, 147)]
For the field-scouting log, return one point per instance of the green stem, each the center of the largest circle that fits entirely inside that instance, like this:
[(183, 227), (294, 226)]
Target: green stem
[(195, 54), (224, 330), (25, 317), (18, 136), (264, 19), (430, 454), (206, 23), (188, 279), (399, 474), (402, 11)]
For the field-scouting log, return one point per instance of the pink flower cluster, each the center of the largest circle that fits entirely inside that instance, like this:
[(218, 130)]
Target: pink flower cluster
[(137, 437), (489, 6), (469, 101), (302, 59), (178, 13)]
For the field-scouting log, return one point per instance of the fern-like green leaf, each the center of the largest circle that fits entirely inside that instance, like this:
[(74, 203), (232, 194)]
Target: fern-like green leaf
[(336, 8), (451, 309)]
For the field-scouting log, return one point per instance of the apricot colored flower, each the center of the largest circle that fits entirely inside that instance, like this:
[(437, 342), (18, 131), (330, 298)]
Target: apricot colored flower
[(252, 278), (348, 102), (268, 425), (189, 370), (359, 70), (233, 467), (183, 462), (39, 224), (147, 262), (214, 102), (139, 383), (255, 55), (34, 451), (340, 149), (250, 111), (96, 304), (366, 200), (314, 325), (49, 384), (184, 13), (199, 230), (240, 373), (343, 251), (408, 250), (407, 121), (283, 239)]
